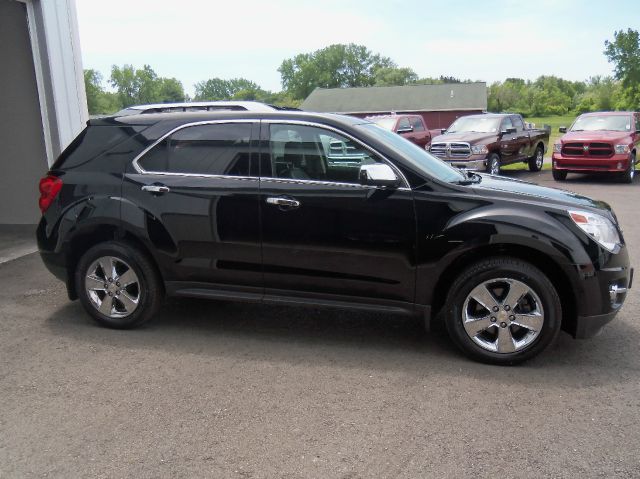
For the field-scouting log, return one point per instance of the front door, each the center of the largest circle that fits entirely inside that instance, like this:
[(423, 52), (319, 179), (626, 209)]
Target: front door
[(200, 205), (325, 235)]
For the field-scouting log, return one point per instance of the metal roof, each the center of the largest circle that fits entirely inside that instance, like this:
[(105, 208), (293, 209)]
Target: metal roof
[(441, 97)]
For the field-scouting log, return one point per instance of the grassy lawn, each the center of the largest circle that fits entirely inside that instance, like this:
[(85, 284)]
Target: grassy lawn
[(555, 122)]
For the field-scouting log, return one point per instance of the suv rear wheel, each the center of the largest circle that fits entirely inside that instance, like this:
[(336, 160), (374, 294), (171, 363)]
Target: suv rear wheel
[(118, 285), (503, 311)]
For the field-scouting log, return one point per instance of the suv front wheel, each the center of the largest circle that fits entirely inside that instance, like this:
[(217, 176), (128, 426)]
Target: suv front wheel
[(503, 311), (118, 285)]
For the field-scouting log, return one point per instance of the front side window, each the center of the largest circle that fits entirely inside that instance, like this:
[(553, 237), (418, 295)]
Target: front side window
[(301, 152), (506, 124), (404, 124), (218, 149), (417, 124), (517, 123)]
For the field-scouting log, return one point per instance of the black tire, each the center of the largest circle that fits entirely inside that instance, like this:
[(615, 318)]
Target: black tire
[(495, 271), (536, 161), (630, 173), (493, 164), (559, 175), (148, 289)]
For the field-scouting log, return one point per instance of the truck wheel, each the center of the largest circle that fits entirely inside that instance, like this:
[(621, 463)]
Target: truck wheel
[(559, 175), (503, 310), (493, 164), (118, 285), (535, 162), (630, 173)]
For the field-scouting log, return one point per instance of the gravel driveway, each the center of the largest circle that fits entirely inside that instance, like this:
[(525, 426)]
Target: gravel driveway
[(217, 389)]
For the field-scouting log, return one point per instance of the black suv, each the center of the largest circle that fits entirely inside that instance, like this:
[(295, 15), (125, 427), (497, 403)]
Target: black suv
[(323, 210)]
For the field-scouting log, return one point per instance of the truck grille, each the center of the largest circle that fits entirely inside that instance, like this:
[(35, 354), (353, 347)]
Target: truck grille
[(451, 150), (588, 150)]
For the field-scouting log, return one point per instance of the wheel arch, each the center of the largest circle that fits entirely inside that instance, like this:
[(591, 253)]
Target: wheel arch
[(88, 237), (561, 282)]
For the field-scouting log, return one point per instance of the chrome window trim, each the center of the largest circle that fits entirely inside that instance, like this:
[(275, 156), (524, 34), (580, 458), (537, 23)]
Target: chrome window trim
[(346, 135), (142, 171), (139, 169)]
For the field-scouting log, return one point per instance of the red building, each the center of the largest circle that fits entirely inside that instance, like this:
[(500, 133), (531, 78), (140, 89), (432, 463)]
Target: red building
[(439, 105)]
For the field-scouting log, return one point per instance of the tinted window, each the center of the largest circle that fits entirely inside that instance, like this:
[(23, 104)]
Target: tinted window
[(506, 123), (221, 149), (404, 124), (417, 124), (92, 142), (517, 123), (310, 153)]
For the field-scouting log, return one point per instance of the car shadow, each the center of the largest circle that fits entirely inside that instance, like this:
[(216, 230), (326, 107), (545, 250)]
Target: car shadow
[(580, 178), (374, 342)]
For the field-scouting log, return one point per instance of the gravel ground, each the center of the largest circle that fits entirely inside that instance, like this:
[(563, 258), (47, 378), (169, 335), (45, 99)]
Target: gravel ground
[(217, 389)]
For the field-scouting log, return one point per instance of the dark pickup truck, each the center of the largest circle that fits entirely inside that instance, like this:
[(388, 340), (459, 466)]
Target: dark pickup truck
[(486, 142)]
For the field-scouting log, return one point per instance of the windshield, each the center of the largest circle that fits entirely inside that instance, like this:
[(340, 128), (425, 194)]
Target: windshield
[(386, 123), (415, 155), (602, 123), (477, 124)]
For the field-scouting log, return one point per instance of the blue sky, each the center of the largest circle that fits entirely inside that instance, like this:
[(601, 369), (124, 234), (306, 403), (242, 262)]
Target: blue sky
[(481, 40)]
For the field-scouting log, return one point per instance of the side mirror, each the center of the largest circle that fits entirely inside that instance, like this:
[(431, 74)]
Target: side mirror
[(442, 130), (406, 129), (508, 131), (562, 129), (378, 174)]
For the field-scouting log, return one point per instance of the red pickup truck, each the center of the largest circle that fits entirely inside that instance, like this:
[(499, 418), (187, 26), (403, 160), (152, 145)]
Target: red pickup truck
[(599, 142), (411, 127)]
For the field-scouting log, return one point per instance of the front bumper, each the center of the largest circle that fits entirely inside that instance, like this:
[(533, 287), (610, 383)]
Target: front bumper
[(617, 163), (473, 162)]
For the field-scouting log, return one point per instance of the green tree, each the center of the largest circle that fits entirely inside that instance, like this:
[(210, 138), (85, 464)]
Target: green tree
[(216, 89), (93, 89), (335, 66), (141, 86), (99, 101), (393, 76), (624, 53)]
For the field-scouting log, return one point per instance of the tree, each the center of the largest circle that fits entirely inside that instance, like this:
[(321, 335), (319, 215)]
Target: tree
[(93, 89), (624, 53), (99, 101), (143, 86), (393, 76), (216, 89), (335, 66)]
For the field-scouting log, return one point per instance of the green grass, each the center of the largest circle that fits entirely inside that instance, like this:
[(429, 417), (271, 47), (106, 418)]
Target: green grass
[(555, 122)]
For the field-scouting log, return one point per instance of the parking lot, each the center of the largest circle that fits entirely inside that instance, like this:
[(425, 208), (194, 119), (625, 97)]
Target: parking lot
[(220, 389)]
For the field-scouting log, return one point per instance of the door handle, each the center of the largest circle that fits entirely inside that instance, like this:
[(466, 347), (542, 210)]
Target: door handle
[(283, 202), (159, 189)]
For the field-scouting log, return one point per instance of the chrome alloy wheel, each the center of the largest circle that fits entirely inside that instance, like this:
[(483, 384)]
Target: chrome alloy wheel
[(539, 158), (494, 167), (503, 315), (113, 287)]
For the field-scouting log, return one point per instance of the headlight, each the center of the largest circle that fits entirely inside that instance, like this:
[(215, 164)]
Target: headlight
[(479, 149), (557, 147), (620, 149), (598, 227)]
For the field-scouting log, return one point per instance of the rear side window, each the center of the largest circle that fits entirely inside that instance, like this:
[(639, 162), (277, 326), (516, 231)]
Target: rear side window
[(220, 149), (92, 142)]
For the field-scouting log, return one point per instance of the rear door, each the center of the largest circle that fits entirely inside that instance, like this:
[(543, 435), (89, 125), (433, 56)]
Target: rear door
[(199, 205), (324, 234)]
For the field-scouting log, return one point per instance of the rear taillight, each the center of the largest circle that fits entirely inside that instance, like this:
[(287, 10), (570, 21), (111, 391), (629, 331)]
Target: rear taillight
[(49, 188)]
